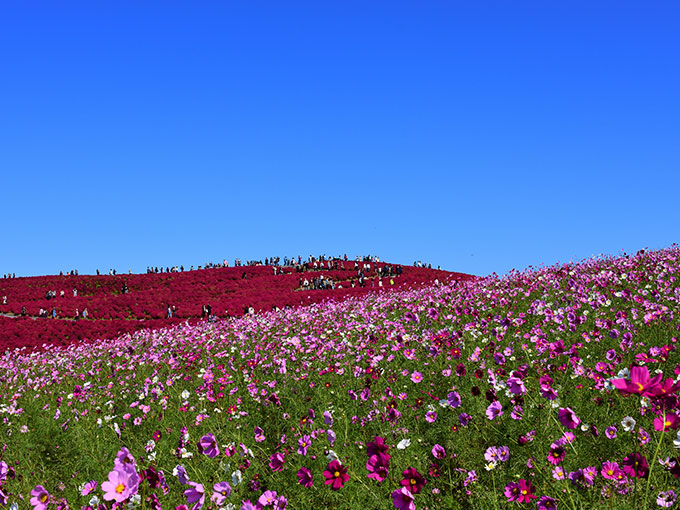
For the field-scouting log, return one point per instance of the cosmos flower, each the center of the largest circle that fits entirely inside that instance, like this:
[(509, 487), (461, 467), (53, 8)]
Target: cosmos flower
[(453, 399), (635, 466), (568, 418), (668, 422), (494, 410), (122, 483), (276, 461), (639, 382), (259, 435), (403, 499), (303, 444), (413, 480), (40, 498), (194, 494), (666, 499), (378, 466), (221, 491), (438, 452), (336, 475), (516, 386), (305, 477), (208, 446), (628, 423)]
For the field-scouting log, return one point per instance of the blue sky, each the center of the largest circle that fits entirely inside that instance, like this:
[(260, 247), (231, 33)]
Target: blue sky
[(476, 136)]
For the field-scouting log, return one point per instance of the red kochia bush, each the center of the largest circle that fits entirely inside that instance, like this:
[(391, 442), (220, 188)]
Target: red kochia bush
[(110, 312)]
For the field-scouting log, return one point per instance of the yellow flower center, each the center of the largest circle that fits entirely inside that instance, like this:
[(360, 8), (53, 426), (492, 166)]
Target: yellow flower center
[(120, 488), (336, 474), (43, 497), (413, 481)]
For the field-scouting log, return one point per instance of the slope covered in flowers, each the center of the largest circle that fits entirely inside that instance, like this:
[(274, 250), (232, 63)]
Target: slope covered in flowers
[(548, 388), (118, 304)]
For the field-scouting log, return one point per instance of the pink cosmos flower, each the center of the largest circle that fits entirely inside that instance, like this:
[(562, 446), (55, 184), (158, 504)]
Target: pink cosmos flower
[(89, 488), (40, 498), (430, 416), (556, 455), (195, 494), (666, 499), (568, 418), (208, 446), (639, 382), (494, 410), (438, 452), (221, 492), (305, 477), (416, 377), (259, 435), (122, 483), (610, 470), (403, 499), (124, 458), (336, 475), (670, 421), (268, 498)]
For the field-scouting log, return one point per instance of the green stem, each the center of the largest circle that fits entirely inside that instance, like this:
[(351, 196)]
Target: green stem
[(653, 460)]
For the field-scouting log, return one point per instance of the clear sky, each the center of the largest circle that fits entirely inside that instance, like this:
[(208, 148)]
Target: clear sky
[(479, 136)]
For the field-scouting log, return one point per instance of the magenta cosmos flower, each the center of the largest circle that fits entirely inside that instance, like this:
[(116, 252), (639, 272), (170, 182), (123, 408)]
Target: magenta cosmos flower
[(568, 418), (376, 446), (635, 466), (276, 461), (521, 492), (416, 377), (403, 499), (40, 498), (122, 483), (208, 446), (336, 475), (378, 466), (639, 382), (305, 477)]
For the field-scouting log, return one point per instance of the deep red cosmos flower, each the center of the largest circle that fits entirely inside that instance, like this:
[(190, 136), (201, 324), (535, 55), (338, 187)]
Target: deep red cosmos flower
[(413, 480), (336, 475)]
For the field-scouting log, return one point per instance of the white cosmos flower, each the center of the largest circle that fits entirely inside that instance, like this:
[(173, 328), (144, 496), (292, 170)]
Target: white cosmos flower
[(628, 424), (403, 444), (236, 477)]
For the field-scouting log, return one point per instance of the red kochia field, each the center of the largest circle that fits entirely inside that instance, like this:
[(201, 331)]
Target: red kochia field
[(112, 312)]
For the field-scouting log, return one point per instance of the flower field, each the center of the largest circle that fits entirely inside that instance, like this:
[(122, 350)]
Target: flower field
[(550, 388), (228, 291)]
